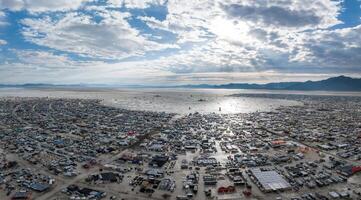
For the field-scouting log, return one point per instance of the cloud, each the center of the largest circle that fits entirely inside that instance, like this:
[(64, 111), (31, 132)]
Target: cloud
[(195, 41), (111, 37), (182, 22), (47, 67), (138, 73), (231, 19), (336, 48), (45, 59), (42, 5), (136, 4), (3, 19), (12, 4), (2, 42), (285, 13), (272, 15)]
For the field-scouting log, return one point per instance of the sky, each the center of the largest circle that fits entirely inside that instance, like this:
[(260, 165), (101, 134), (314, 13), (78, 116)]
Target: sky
[(157, 42)]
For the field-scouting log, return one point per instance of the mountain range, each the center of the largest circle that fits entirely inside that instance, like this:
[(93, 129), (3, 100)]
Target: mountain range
[(339, 83)]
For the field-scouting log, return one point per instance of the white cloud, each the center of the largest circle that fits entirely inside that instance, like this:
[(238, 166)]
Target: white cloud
[(12, 4), (45, 67), (218, 40), (136, 4), (134, 73), (3, 19), (236, 35), (182, 21), (2, 42), (300, 14), (336, 48), (232, 19), (45, 59), (110, 38), (42, 5)]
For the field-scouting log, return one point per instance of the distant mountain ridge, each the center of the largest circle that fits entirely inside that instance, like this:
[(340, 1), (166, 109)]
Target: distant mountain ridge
[(340, 83), (35, 85)]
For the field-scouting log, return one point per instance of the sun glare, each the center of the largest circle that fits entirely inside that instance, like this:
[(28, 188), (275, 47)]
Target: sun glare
[(229, 30)]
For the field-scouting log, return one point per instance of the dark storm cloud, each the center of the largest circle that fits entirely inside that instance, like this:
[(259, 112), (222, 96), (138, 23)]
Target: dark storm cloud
[(272, 15)]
